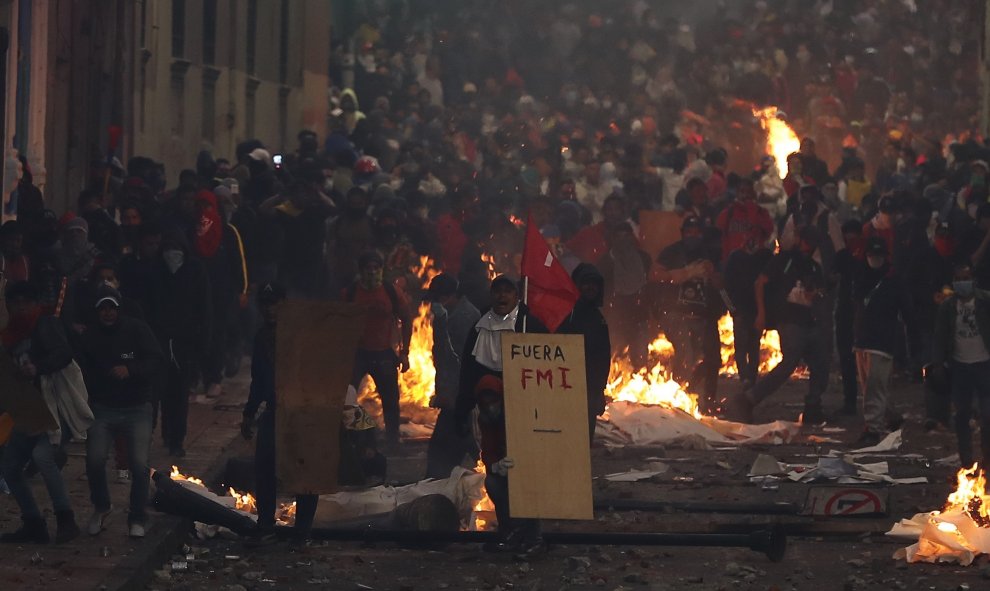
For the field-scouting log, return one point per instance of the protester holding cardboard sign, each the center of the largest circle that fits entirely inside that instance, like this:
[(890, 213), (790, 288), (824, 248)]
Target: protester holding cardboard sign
[(481, 387)]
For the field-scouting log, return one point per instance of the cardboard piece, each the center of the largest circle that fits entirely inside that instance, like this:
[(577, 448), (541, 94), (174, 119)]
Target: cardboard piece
[(658, 230), (23, 400), (315, 345), (546, 426), (847, 501)]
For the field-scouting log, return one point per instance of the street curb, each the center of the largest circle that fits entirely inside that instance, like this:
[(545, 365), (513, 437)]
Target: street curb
[(166, 535)]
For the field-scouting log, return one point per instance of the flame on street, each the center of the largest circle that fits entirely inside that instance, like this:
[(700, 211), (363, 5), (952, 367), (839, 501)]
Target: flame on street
[(961, 531), (781, 139), (179, 476)]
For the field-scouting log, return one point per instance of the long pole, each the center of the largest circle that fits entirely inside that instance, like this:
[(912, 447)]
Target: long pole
[(525, 297), (771, 542)]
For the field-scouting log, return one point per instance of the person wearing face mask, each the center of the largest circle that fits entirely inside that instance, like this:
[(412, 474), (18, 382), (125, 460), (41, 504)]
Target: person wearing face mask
[(75, 254), (789, 298), (742, 268), (742, 218), (183, 322), (961, 353), (586, 319), (480, 386), (120, 359), (384, 346), (688, 270), (882, 224), (882, 307)]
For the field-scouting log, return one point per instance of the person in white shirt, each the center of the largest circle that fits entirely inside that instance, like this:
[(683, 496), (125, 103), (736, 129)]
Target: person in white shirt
[(962, 347)]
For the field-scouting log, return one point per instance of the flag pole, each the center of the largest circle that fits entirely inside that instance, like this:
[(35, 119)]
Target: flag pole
[(525, 298)]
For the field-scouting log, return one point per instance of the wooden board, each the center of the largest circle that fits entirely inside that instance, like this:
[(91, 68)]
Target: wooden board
[(314, 348), (24, 402), (658, 230), (546, 426)]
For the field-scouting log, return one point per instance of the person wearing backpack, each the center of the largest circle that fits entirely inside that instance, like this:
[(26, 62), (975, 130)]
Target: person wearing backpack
[(384, 346)]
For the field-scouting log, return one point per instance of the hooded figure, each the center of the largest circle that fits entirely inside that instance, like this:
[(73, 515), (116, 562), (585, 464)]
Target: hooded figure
[(586, 319), (352, 110), (184, 319)]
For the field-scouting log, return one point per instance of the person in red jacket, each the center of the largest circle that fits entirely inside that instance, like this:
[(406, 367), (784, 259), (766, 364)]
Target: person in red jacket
[(742, 218), (451, 238)]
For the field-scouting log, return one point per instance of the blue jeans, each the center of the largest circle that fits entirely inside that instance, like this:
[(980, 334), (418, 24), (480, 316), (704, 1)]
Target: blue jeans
[(969, 381), (19, 450), (134, 423)]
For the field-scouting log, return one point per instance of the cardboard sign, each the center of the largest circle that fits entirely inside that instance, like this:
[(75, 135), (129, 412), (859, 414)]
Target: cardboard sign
[(658, 230), (23, 400), (314, 356), (546, 426)]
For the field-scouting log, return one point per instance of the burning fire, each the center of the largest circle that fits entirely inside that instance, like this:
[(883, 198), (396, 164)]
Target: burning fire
[(243, 501), (781, 139), (483, 510), (770, 355), (971, 496), (179, 476), (958, 533), (489, 259)]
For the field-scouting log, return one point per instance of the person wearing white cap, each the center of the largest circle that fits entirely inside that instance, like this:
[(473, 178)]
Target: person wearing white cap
[(120, 357)]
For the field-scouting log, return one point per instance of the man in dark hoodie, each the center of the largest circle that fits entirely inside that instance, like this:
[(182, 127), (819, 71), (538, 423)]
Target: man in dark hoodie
[(120, 360), (183, 319), (481, 386), (586, 319), (881, 305)]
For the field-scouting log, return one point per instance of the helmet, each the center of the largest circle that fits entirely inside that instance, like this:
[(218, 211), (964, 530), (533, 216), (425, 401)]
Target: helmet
[(366, 165)]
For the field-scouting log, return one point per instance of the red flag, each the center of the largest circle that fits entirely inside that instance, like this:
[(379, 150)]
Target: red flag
[(551, 292)]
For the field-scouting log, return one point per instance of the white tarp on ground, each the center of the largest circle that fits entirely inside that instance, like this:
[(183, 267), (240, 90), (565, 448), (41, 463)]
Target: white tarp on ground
[(952, 536), (629, 423), (464, 488)]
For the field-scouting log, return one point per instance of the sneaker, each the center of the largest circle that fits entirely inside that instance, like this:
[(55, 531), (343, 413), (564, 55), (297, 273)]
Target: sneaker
[(67, 530), (123, 475), (136, 530), (98, 521), (32, 531)]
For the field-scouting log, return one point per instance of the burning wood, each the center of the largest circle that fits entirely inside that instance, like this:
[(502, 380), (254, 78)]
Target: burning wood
[(958, 533)]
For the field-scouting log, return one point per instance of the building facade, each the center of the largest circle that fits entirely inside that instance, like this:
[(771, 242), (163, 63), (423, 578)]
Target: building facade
[(176, 76)]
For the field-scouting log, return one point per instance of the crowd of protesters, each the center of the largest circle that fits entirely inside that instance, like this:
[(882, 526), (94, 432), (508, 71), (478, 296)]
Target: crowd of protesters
[(461, 125)]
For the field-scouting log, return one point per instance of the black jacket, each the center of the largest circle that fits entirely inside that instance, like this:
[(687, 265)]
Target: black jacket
[(129, 343), (184, 314), (881, 304), (587, 319)]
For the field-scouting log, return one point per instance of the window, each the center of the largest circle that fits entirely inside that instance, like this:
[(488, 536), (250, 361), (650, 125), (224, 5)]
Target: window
[(178, 28), (209, 31), (252, 34), (283, 44), (210, 76), (249, 107)]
